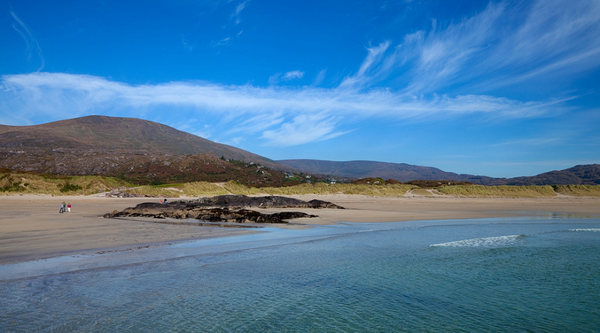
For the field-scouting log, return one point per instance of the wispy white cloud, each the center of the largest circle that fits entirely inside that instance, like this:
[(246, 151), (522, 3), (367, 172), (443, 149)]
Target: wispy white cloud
[(292, 75), (305, 128), (552, 141), (237, 11), (223, 42), (32, 43), (239, 8), (279, 115), (235, 16), (320, 77), (369, 68), (274, 79), (489, 48), (501, 46)]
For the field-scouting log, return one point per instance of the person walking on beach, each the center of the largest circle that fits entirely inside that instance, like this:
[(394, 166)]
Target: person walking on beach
[(62, 207), (69, 207)]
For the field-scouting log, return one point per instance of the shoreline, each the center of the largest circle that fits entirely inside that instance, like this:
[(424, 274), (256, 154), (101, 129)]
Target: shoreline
[(32, 229)]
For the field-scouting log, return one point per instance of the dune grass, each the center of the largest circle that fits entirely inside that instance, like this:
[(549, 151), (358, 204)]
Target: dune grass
[(578, 190), (11, 184), (56, 185), (322, 189), (176, 190), (203, 189), (421, 191), (156, 191), (234, 187), (498, 191)]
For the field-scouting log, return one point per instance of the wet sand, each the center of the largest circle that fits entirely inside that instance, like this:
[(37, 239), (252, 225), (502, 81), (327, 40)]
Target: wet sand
[(31, 227)]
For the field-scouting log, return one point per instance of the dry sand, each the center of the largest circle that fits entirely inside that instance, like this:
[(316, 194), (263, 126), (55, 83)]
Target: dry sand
[(31, 227)]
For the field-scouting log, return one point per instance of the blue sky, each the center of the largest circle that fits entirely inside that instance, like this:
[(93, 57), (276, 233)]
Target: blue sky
[(496, 88)]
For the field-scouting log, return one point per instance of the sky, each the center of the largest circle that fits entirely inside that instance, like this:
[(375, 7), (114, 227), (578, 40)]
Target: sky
[(495, 88)]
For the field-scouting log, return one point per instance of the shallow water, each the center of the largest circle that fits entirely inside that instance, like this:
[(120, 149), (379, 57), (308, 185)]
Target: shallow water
[(521, 274)]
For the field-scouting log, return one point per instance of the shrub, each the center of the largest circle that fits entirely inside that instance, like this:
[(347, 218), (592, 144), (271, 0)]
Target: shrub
[(578, 190), (11, 186), (67, 187)]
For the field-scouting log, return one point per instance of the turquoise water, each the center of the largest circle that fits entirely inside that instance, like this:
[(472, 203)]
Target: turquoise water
[(535, 274)]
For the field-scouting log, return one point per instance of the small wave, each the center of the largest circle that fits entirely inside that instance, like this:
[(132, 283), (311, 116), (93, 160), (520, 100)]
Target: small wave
[(482, 242), (591, 229)]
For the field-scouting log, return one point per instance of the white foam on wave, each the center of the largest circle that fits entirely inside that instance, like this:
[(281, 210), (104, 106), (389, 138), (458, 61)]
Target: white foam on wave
[(483, 242), (591, 229)]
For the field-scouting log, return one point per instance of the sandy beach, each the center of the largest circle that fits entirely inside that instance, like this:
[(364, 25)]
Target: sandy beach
[(31, 227)]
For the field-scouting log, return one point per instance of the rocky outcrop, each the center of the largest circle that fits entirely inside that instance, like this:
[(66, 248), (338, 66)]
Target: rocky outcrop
[(224, 208), (258, 202), (130, 195), (161, 211)]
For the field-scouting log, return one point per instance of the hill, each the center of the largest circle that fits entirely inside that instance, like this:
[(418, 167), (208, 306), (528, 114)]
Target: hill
[(578, 175), (102, 132), (148, 152), (133, 149), (367, 169)]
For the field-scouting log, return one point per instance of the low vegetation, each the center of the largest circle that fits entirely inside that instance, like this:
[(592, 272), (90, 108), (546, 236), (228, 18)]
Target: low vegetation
[(322, 189), (177, 190), (422, 192), (436, 183), (56, 185), (22, 183), (498, 191), (375, 181), (578, 190)]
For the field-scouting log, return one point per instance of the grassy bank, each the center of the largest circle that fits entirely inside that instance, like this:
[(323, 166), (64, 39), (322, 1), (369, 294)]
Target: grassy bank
[(14, 184), (11, 184), (56, 185), (578, 190), (498, 191), (521, 191), (393, 190)]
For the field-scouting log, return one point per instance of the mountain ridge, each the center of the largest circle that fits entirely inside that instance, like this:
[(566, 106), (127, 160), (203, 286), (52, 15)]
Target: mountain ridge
[(147, 151), (578, 175), (132, 149)]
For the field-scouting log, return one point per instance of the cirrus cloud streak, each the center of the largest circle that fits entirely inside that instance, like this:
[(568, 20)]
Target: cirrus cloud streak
[(282, 116)]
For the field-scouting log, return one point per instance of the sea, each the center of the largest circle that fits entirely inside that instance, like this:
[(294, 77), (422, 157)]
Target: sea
[(536, 273)]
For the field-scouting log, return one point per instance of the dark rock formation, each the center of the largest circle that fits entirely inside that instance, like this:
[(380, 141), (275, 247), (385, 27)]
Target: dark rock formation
[(224, 208), (130, 195), (258, 202), (161, 211)]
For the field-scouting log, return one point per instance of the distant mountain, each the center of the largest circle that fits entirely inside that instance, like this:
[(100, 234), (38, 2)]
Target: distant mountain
[(581, 174), (133, 149), (365, 169), (146, 151), (578, 175)]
